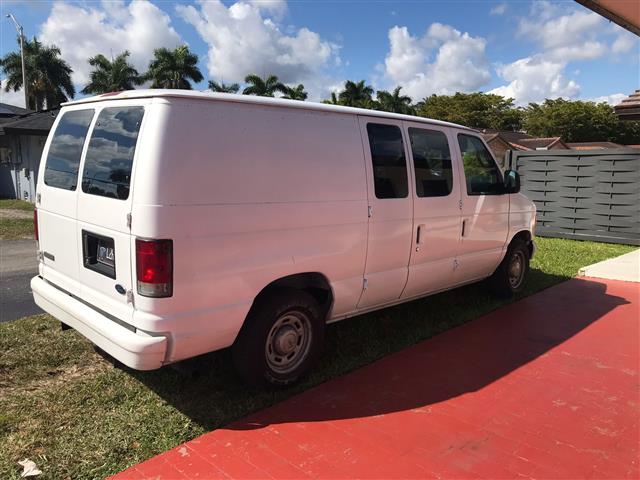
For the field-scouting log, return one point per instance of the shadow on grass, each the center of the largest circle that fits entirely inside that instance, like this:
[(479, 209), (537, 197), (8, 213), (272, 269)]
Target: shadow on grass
[(460, 361)]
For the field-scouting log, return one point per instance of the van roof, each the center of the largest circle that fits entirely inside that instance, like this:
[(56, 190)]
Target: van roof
[(280, 102)]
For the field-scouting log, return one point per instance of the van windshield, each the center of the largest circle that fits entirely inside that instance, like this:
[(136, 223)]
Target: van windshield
[(109, 161)]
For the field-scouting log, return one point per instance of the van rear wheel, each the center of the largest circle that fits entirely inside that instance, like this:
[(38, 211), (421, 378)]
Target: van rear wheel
[(280, 340)]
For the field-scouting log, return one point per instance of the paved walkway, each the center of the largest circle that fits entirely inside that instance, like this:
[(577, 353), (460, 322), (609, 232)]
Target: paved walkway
[(625, 267), (544, 388)]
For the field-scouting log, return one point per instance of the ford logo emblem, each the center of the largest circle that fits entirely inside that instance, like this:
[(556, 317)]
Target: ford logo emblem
[(120, 289)]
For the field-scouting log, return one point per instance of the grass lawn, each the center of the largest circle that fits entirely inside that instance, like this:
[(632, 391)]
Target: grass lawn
[(16, 220), (76, 416)]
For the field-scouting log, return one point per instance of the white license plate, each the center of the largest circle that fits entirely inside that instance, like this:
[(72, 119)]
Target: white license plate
[(106, 254)]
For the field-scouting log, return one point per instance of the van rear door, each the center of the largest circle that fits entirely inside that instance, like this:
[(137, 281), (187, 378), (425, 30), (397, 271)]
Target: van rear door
[(56, 200), (104, 207)]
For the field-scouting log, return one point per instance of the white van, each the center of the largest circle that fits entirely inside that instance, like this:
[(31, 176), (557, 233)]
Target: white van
[(174, 223)]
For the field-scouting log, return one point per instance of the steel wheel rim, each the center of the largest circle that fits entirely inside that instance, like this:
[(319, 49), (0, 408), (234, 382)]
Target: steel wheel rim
[(516, 269), (288, 342)]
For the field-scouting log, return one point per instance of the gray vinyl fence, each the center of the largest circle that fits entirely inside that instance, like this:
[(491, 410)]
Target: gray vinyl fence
[(584, 195)]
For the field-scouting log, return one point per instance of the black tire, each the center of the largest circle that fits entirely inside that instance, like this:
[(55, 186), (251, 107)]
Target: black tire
[(280, 339), (509, 277)]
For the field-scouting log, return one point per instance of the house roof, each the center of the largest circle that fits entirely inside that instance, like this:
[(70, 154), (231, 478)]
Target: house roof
[(540, 142), (593, 145), (8, 110), (36, 123), (506, 135), (252, 99), (624, 13), (629, 108)]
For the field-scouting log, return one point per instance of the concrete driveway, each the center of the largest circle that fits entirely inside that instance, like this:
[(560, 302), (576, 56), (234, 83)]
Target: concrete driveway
[(17, 265)]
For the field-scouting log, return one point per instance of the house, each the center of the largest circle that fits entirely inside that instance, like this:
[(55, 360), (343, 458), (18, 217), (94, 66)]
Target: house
[(22, 139), (629, 108), (541, 143), (502, 141), (7, 112)]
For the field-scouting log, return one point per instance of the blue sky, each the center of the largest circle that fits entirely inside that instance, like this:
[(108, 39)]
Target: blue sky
[(529, 50)]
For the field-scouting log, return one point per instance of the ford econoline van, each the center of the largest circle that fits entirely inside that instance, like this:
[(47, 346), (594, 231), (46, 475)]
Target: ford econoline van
[(174, 223)]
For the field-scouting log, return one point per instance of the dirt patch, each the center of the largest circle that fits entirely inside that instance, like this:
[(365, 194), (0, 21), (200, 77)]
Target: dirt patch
[(55, 378), (14, 213)]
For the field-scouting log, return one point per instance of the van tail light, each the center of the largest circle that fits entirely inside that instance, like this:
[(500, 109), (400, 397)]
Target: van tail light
[(154, 267), (35, 225)]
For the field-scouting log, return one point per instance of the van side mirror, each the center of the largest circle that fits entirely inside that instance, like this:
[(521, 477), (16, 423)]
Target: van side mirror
[(511, 181)]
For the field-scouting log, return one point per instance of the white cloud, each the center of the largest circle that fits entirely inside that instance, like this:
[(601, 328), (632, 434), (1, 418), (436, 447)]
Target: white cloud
[(625, 42), (110, 28), (246, 38), (442, 61), (499, 9), (563, 35), (613, 99), (11, 97), (533, 79)]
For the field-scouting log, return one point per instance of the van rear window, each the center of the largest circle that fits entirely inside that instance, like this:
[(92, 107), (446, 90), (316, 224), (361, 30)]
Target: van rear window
[(63, 159), (107, 168)]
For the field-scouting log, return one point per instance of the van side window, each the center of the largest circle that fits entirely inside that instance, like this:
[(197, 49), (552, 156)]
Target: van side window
[(480, 170), (63, 159), (107, 168), (389, 162), (432, 162)]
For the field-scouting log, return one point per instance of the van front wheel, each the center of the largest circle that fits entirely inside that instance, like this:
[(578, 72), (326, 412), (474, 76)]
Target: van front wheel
[(280, 340), (510, 275)]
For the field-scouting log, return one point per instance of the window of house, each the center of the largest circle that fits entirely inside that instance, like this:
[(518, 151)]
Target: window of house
[(389, 162), (63, 159), (107, 168), (480, 170), (432, 162)]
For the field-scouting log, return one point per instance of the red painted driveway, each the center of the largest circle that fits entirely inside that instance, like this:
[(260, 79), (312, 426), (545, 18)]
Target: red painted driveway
[(547, 387)]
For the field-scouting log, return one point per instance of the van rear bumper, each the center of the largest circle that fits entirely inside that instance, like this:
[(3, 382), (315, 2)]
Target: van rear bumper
[(140, 352)]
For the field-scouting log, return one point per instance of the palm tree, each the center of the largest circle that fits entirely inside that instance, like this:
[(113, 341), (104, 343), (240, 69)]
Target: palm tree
[(111, 76), (174, 68), (394, 102), (333, 100), (48, 76), (356, 94), (263, 87), (223, 87), (296, 93)]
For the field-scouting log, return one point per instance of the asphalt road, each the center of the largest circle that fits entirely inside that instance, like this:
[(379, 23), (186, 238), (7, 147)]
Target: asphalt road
[(18, 265)]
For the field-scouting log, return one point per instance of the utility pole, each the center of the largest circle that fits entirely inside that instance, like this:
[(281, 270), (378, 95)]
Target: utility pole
[(24, 72)]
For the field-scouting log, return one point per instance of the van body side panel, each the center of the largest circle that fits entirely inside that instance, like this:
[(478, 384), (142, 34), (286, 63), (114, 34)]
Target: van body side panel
[(248, 195), (437, 223), (391, 221), (486, 219), (522, 213)]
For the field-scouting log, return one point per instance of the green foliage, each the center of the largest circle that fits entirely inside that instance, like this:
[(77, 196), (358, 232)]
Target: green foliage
[(223, 87), (578, 121), (296, 93), (394, 102), (263, 87), (174, 68), (111, 76), (333, 100), (476, 110), (357, 95), (48, 76)]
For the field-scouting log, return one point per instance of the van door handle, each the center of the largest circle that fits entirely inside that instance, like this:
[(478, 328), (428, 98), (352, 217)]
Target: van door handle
[(464, 227), (419, 238)]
